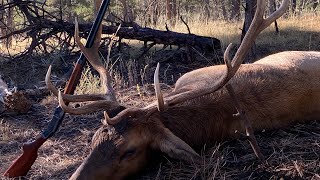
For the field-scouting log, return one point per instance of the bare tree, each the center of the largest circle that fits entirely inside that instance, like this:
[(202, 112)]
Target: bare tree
[(171, 11), (272, 6), (224, 10), (206, 9), (315, 5), (215, 9), (168, 9), (127, 11), (6, 23), (235, 10), (293, 6), (68, 11), (301, 5), (155, 12), (2, 21)]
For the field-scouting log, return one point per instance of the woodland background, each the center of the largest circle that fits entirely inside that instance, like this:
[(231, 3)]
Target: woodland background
[(36, 23)]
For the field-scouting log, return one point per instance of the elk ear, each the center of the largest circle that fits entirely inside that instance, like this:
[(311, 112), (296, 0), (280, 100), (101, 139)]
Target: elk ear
[(175, 147)]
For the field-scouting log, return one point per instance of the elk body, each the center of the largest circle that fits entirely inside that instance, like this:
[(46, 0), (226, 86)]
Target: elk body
[(275, 91)]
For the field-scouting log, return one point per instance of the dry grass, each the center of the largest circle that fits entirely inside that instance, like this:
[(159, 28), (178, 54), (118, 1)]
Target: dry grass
[(291, 29)]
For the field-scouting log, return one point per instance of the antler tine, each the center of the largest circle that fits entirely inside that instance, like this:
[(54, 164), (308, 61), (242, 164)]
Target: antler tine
[(49, 84), (157, 89), (226, 56), (89, 108), (130, 112)]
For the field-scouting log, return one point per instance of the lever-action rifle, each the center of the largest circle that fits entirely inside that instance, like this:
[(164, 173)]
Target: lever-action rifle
[(22, 165)]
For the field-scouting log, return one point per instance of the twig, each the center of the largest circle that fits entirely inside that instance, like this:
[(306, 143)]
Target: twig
[(276, 27), (112, 40), (146, 49), (167, 28), (246, 123), (185, 24)]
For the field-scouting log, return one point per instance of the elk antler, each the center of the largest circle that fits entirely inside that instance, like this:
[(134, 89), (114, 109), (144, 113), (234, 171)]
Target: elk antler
[(99, 105), (157, 89)]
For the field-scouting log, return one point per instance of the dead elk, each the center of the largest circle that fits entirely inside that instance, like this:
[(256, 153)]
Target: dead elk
[(276, 91)]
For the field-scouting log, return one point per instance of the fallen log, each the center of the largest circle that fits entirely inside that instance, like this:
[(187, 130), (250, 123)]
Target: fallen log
[(207, 44), (203, 43)]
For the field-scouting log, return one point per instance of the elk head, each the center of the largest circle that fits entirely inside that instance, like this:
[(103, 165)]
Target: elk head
[(122, 145)]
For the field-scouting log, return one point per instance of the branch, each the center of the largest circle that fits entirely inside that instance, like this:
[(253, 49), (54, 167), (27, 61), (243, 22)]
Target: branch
[(185, 24)]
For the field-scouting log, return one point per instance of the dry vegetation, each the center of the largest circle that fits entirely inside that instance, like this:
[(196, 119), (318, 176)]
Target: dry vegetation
[(291, 153)]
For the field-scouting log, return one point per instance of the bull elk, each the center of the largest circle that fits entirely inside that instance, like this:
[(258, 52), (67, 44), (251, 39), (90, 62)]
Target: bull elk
[(276, 91)]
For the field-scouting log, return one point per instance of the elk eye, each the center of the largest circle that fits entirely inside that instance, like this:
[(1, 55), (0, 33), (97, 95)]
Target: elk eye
[(128, 154)]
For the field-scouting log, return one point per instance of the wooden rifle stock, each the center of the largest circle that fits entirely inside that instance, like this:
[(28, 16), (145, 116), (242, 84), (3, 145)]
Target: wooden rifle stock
[(21, 166)]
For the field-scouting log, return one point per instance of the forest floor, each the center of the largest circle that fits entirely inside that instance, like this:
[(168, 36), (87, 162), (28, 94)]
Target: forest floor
[(291, 153)]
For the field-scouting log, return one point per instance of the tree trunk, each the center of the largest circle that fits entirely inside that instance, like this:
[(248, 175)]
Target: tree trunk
[(235, 10), (174, 12), (206, 9), (315, 5), (249, 14), (224, 10), (272, 6), (171, 11), (127, 11), (293, 6), (215, 14), (2, 22), (68, 11), (148, 12), (155, 12), (168, 10), (6, 23), (201, 43), (301, 6), (10, 26)]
